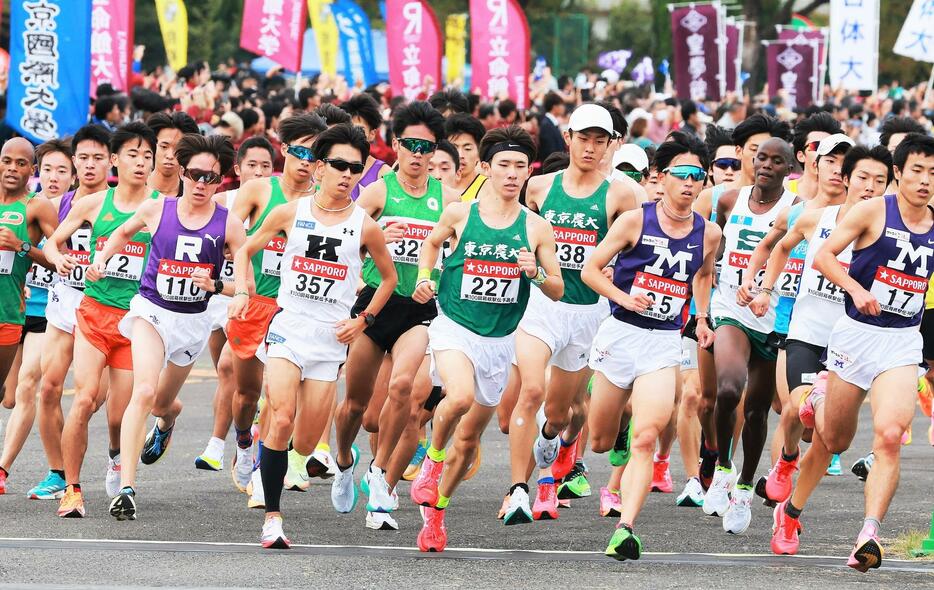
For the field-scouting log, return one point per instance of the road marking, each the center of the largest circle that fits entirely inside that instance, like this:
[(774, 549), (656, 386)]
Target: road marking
[(355, 551)]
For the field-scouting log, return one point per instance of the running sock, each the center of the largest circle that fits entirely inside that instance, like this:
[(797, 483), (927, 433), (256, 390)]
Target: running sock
[(128, 491), (58, 472), (5, 472), (272, 470), (545, 436), (524, 486), (567, 443), (75, 487), (791, 511), (660, 457), (244, 438), (436, 455), (546, 480), (259, 454), (376, 470), (323, 447), (871, 527), (443, 502), (744, 486), (114, 453)]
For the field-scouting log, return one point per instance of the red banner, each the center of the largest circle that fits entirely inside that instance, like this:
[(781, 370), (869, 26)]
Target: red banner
[(275, 29), (413, 39), (696, 35), (111, 43), (500, 46)]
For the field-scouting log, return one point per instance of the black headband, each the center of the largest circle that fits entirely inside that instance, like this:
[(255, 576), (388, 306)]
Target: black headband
[(505, 146)]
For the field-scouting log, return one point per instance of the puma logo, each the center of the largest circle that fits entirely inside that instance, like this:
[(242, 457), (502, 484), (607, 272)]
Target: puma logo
[(212, 238), (190, 356)]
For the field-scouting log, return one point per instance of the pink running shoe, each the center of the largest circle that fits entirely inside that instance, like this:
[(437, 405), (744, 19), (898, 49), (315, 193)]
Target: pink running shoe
[(610, 503), (779, 482), (546, 502), (433, 537), (784, 532), (806, 410), (424, 491), (661, 477), (565, 461), (867, 554)]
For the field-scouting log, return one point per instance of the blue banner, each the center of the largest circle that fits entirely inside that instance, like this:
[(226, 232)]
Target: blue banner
[(50, 67), (356, 42)]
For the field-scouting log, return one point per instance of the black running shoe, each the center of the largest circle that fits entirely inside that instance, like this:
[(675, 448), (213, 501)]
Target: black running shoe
[(123, 506), (155, 445)]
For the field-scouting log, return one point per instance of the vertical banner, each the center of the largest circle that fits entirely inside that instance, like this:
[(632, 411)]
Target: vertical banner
[(50, 45), (695, 32), (275, 29), (326, 35), (916, 39), (854, 44), (500, 48), (413, 39), (173, 21), (111, 43), (793, 71), (455, 46), (789, 33), (356, 42), (732, 50)]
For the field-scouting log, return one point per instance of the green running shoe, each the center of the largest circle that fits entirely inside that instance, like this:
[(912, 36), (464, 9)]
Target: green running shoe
[(624, 544), (620, 453), (575, 484)]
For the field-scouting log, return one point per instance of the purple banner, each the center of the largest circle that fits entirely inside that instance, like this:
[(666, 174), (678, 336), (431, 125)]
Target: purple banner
[(694, 32), (733, 59), (792, 72), (786, 33)]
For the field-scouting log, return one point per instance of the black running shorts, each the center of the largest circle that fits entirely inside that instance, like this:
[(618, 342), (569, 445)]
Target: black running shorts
[(803, 361), (927, 333), (34, 324), (398, 316)]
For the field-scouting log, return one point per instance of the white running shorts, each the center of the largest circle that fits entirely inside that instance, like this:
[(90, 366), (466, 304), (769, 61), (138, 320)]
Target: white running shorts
[(63, 303), (623, 352), (858, 352), (217, 309), (309, 345), (688, 354), (184, 335), (568, 330)]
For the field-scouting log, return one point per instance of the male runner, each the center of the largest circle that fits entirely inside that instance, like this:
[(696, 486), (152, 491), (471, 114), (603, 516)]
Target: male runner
[(876, 346), (746, 349), (807, 136), (445, 163), (364, 113), (98, 343), (664, 252), (466, 132), (169, 129), (483, 293), (326, 237), (168, 322)]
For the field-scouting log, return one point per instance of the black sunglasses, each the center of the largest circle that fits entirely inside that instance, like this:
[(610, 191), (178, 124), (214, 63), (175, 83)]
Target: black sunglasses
[(724, 163), (418, 146), (205, 176), (344, 165)]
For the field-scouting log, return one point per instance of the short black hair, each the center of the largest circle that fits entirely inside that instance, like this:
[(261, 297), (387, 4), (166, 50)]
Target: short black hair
[(620, 126), (914, 143), (511, 134), (301, 125), (688, 108), (192, 144), (132, 131), (450, 100), (340, 134), (459, 123), (448, 148), (271, 110), (92, 132), (715, 138), (418, 112), (820, 121), (332, 114), (551, 100), (255, 142), (62, 146), (177, 120), (248, 116), (879, 153), (555, 162), (895, 125), (485, 110), (759, 123), (364, 106), (677, 144), (105, 104), (306, 94)]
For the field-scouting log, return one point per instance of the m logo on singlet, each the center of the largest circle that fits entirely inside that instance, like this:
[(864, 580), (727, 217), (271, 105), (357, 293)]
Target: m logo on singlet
[(667, 259), (188, 248), (919, 256), (322, 248)]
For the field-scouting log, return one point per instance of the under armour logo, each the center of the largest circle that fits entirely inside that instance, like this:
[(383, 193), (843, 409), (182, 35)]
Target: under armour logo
[(348, 231), (154, 320), (212, 238)]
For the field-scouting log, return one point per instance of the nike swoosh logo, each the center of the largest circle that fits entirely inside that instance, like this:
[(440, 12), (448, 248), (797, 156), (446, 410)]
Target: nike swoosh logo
[(692, 246)]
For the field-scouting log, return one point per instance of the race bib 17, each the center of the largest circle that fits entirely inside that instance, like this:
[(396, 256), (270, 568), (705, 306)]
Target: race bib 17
[(899, 293)]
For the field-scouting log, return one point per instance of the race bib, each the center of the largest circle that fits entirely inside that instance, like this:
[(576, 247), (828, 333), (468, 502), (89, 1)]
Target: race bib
[(899, 293), (41, 277), (407, 249), (574, 246), (733, 272), (174, 281), (128, 263), (490, 282), (315, 280), (817, 285), (790, 278), (272, 257), (668, 295), (6, 261), (82, 260), (227, 271)]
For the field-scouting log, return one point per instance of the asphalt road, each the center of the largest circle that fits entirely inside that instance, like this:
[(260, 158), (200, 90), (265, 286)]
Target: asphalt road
[(194, 530)]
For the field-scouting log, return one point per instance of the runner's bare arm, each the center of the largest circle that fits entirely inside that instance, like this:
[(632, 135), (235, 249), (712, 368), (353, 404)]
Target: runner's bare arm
[(451, 217), (235, 239), (373, 198), (704, 203), (85, 210), (779, 257), (249, 197), (703, 283), (42, 217), (622, 236), (747, 291), (147, 215), (536, 190), (374, 244), (725, 206), (622, 197), (449, 195), (542, 236)]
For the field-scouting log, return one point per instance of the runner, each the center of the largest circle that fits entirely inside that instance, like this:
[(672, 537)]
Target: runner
[(255, 200), (817, 308), (466, 132), (660, 249), (408, 204), (808, 134), (56, 174), (254, 160), (169, 314), (581, 205), (483, 293), (876, 346), (364, 113), (91, 149), (326, 236), (725, 162), (746, 346), (445, 163), (98, 343), (169, 129)]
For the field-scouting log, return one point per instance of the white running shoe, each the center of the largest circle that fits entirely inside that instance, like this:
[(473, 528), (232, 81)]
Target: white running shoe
[(212, 459), (320, 464), (717, 498), (518, 511), (296, 478), (693, 494), (380, 499), (273, 535), (545, 451), (381, 521), (257, 495), (112, 480), (739, 515), (395, 499), (343, 490), (243, 468)]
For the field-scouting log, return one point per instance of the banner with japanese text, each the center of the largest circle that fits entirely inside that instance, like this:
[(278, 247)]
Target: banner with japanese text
[(916, 39), (413, 39), (50, 58), (854, 44), (111, 43), (275, 29), (500, 50), (697, 34), (734, 56), (173, 21), (326, 34), (356, 41), (793, 72), (455, 47)]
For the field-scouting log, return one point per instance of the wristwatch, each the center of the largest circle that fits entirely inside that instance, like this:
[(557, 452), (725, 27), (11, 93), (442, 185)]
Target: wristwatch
[(24, 248), (218, 286), (368, 318)]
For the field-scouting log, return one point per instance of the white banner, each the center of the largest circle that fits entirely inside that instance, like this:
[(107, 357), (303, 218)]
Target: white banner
[(916, 40), (854, 44)]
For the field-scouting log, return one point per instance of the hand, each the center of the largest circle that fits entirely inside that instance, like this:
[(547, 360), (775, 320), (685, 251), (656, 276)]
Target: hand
[(424, 292), (394, 232), (201, 278), (638, 304), (95, 271), (9, 241), (760, 304), (704, 334), (27, 293), (236, 309), (608, 272), (746, 293), (527, 263), (866, 302), (348, 330), (63, 264)]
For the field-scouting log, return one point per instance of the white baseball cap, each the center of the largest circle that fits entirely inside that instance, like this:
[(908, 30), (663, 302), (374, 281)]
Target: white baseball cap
[(633, 155), (591, 116), (829, 143)]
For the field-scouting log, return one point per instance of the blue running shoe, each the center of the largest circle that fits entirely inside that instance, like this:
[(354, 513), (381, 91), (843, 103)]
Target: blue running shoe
[(834, 467), (50, 488), (156, 444), (415, 465)]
